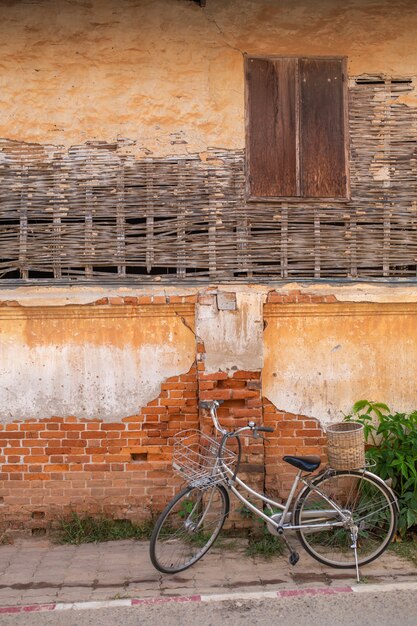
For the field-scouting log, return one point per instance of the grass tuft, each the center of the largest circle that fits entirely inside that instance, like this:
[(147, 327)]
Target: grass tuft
[(407, 549), (87, 529), (265, 545)]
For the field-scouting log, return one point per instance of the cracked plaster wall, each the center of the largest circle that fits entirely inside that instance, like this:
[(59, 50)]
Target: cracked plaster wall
[(108, 362), (167, 74), (320, 359), (231, 331), (91, 363)]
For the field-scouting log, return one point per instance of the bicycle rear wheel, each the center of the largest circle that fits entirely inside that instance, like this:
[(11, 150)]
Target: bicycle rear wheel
[(188, 527), (369, 503)]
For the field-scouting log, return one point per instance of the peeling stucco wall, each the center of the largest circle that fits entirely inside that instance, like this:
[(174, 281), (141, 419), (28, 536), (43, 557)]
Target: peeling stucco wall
[(167, 74), (320, 359), (106, 362), (92, 362), (231, 330)]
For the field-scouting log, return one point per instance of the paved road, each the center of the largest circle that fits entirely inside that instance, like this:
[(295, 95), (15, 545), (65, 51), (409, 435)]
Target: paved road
[(375, 608)]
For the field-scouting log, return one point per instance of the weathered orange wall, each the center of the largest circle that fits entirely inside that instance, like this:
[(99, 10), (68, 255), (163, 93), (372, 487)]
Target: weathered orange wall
[(168, 74), (321, 358), (98, 361), (57, 462), (319, 348)]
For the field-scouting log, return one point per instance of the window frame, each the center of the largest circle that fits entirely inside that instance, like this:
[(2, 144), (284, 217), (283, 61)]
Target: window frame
[(298, 199)]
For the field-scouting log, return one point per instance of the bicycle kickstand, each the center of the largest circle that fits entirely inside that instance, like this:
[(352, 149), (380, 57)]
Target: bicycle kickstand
[(294, 556), (354, 545)]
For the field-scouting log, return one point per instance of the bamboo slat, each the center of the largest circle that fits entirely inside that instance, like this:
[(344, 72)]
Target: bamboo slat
[(94, 212)]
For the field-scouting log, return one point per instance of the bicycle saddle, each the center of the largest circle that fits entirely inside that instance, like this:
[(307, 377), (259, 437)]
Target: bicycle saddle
[(305, 463)]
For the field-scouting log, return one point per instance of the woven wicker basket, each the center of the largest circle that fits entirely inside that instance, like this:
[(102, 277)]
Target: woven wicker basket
[(346, 445)]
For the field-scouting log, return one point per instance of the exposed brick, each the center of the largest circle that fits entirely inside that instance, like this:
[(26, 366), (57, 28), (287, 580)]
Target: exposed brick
[(16, 450), (292, 436), (243, 394), (63, 467), (216, 394), (93, 434), (274, 297), (144, 299), (185, 378), (307, 432), (35, 459), (254, 403), (80, 458), (247, 413), (215, 376), (134, 419), (231, 383), (152, 410), (32, 427), (190, 299), (247, 375)]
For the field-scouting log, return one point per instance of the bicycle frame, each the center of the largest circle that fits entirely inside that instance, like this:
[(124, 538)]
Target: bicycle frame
[(285, 508)]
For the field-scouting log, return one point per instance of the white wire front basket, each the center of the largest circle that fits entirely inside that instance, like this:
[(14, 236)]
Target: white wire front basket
[(196, 458)]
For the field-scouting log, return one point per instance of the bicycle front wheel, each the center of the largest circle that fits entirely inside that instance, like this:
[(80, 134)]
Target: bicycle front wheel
[(370, 507), (188, 527)]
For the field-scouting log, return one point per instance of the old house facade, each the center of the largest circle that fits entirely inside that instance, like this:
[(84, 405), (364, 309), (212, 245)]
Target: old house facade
[(198, 200)]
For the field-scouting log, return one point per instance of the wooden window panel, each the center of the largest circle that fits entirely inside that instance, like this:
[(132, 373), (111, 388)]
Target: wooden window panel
[(322, 128), (272, 127), (296, 128)]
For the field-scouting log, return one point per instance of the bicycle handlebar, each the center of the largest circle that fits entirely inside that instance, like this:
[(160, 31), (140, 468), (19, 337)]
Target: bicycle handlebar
[(211, 405)]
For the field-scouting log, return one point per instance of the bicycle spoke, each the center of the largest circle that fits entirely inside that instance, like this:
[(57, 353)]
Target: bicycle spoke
[(365, 504), (188, 528)]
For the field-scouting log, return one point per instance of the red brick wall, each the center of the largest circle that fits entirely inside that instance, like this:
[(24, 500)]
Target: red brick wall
[(295, 296), (122, 469), (293, 435), (51, 466)]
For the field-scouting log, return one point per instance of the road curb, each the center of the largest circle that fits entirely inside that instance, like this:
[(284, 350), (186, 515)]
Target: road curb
[(257, 595)]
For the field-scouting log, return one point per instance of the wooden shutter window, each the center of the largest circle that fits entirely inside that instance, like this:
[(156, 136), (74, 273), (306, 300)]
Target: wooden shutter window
[(296, 128), (272, 127), (322, 128)]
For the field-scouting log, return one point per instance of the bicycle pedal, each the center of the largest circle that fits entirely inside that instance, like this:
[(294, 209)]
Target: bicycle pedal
[(294, 558)]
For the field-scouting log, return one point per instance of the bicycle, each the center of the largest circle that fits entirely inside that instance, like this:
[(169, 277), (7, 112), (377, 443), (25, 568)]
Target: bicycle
[(343, 518)]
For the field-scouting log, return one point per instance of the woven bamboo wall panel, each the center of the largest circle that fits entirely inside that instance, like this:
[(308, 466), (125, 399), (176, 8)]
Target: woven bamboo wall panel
[(95, 212)]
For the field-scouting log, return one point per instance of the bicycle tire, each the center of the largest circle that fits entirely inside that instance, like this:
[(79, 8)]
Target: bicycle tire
[(188, 527), (373, 508)]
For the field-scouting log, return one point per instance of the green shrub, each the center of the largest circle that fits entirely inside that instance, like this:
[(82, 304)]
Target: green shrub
[(391, 440)]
